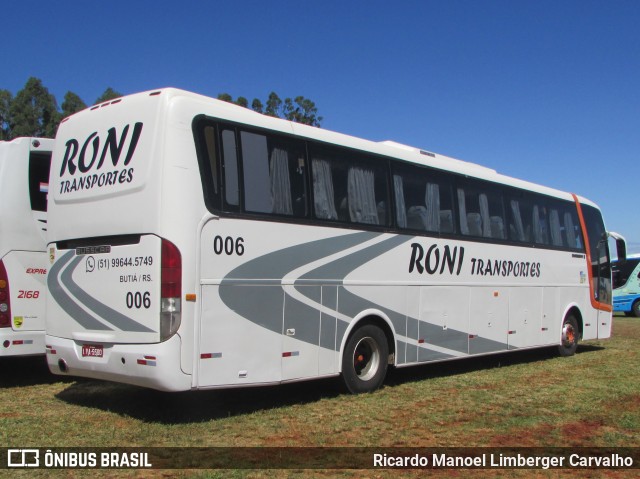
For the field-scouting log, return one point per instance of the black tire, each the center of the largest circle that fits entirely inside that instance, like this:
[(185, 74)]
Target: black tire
[(635, 309), (570, 336), (365, 359)]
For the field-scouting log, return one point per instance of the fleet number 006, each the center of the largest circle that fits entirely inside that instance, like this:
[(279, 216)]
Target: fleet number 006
[(228, 245), (139, 300)]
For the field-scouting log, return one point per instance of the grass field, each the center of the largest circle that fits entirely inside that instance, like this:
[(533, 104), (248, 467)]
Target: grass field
[(527, 398)]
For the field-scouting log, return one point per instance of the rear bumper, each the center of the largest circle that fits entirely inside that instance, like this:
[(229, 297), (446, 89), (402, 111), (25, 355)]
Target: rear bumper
[(155, 366), (21, 343)]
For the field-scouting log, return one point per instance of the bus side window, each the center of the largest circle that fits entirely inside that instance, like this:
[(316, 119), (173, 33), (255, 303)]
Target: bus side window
[(230, 166), (323, 194), (210, 141), (480, 211), (287, 178), (39, 165), (274, 177), (572, 229), (423, 200), (520, 219), (540, 224), (210, 168), (554, 227), (255, 168), (349, 189)]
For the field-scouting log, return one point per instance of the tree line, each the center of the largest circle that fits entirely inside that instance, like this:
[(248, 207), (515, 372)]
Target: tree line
[(33, 111)]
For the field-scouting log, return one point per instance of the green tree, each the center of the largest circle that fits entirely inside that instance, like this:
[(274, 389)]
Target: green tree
[(34, 111), (274, 104), (301, 110), (5, 120), (256, 105), (109, 94), (72, 103), (240, 101)]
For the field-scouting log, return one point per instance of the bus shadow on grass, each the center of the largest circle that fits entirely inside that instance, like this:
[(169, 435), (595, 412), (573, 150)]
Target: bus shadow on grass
[(478, 363), (193, 406), (22, 371), (200, 406)]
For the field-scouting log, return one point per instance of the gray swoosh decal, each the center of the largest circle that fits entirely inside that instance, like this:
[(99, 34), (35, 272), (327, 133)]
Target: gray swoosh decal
[(260, 305), (351, 304), (66, 303), (110, 315), (340, 268), (244, 291), (256, 301), (275, 265)]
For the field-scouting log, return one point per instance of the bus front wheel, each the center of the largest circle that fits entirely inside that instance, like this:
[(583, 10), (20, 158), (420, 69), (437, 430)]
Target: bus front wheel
[(365, 358), (570, 336), (636, 308)]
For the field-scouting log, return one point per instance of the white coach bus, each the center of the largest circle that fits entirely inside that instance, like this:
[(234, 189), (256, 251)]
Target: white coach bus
[(24, 178), (197, 244)]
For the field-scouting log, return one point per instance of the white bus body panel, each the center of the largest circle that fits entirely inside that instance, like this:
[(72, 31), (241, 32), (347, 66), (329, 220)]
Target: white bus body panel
[(282, 309), (106, 297), (155, 366), (22, 247), (109, 168)]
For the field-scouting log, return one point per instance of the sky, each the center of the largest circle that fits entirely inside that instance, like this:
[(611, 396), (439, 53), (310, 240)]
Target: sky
[(542, 90)]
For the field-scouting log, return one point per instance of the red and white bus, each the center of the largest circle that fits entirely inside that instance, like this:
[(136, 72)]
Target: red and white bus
[(24, 183)]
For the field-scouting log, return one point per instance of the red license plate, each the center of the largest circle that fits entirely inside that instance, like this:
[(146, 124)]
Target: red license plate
[(92, 350)]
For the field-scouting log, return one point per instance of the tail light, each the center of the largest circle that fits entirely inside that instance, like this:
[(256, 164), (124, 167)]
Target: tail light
[(5, 303), (170, 290)]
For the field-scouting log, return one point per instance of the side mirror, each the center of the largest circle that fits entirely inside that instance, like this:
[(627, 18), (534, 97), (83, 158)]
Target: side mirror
[(621, 246)]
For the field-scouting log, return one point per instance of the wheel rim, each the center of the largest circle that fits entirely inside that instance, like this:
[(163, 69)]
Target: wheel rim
[(366, 358), (568, 335)]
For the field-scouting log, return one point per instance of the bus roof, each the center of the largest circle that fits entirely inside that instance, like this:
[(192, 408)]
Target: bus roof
[(27, 227), (231, 112)]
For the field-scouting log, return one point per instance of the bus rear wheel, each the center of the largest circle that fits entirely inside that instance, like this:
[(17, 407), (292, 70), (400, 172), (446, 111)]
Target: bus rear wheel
[(570, 336), (364, 361), (635, 309)]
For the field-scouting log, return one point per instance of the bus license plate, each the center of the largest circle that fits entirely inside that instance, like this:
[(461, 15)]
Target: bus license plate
[(92, 351)]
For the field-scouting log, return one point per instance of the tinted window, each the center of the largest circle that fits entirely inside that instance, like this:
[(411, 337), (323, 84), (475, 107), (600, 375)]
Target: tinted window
[(277, 175), (274, 175), (599, 248), (349, 188), (210, 166), (423, 199), (540, 220), (622, 272), (480, 210), (230, 165), (39, 165)]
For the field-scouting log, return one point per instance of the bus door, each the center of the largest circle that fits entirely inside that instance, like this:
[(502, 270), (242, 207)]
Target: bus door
[(601, 261), (600, 268), (240, 336)]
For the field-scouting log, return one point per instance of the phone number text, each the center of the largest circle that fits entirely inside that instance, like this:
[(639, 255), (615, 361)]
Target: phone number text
[(126, 262)]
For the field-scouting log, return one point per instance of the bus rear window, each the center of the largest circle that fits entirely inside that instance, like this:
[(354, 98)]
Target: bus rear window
[(39, 166)]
